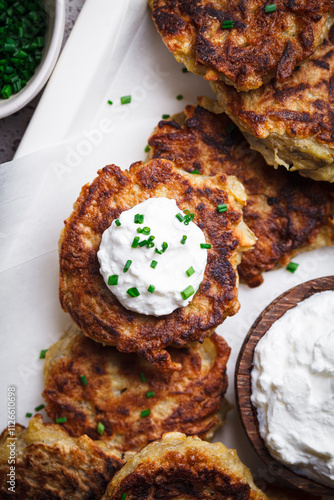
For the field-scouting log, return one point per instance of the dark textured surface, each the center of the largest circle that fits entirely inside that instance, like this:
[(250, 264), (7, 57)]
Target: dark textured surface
[(260, 46), (96, 310), (115, 394), (286, 212)]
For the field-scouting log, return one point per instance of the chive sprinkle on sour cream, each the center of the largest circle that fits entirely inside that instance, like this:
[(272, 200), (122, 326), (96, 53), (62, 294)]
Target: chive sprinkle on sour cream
[(153, 259)]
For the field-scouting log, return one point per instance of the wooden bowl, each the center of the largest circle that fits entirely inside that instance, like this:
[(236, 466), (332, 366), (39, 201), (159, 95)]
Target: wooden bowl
[(244, 366)]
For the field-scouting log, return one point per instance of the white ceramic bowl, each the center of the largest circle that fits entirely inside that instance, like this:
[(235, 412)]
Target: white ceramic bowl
[(53, 40)]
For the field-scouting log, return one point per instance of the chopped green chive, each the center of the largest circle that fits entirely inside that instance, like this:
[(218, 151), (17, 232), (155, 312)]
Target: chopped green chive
[(135, 242), (188, 217), (184, 70), (100, 428), (6, 91), (43, 353), (187, 292), (190, 271), (61, 420), (126, 99), (154, 264), (83, 379), (150, 394), (151, 288), (292, 267), (179, 217), (110, 102), (271, 7), (227, 25), (184, 239), (164, 246), (196, 172), (222, 208), (147, 148), (205, 245), (165, 117), (28, 415), (230, 127), (40, 407), (117, 222), (123, 496), (146, 230), (133, 292), (145, 413), (142, 377), (143, 243), (127, 266), (179, 97), (113, 280), (138, 219)]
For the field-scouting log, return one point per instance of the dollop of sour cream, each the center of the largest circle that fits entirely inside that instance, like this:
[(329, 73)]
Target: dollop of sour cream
[(157, 277), (293, 388)]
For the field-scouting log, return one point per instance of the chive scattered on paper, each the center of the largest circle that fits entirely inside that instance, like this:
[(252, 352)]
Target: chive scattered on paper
[(292, 267), (110, 102), (28, 415), (126, 99), (165, 117), (147, 148), (43, 353), (179, 97), (40, 407), (184, 70)]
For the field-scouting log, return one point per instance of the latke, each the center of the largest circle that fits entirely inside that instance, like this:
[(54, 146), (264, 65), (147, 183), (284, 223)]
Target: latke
[(184, 467), (189, 400), (49, 464), (259, 46), (288, 214), (96, 310), (291, 123)]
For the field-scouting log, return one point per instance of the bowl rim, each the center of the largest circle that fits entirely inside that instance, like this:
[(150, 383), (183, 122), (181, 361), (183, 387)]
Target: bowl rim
[(244, 365), (40, 78)]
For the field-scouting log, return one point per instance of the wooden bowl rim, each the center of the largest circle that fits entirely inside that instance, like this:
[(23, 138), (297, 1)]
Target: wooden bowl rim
[(246, 410)]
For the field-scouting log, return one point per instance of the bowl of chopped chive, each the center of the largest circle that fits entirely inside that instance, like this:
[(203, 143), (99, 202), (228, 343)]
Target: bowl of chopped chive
[(31, 33)]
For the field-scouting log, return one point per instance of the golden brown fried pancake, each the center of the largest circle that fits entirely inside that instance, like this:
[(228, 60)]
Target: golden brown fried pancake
[(286, 212), (189, 400), (49, 464), (259, 47), (291, 123), (184, 467), (96, 310)]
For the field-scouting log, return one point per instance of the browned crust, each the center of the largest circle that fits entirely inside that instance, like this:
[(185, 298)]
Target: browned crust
[(188, 400), (97, 311), (301, 107), (51, 465), (187, 468), (287, 213), (259, 47)]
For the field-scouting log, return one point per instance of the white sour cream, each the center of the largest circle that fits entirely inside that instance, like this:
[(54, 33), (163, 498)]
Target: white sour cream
[(293, 388), (169, 276)]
